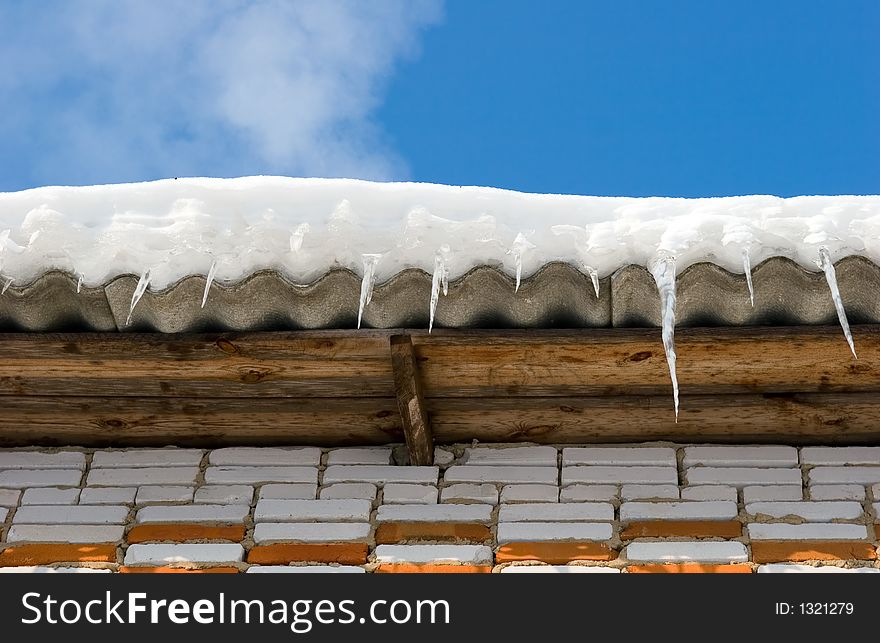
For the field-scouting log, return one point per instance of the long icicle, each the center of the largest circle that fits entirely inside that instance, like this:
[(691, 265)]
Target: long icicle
[(439, 280), (827, 266), (143, 282), (663, 269), (79, 283), (367, 283), (594, 277), (747, 269), (6, 286), (208, 281)]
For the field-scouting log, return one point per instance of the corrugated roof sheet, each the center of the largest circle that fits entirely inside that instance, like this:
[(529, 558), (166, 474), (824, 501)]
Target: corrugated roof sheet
[(557, 296)]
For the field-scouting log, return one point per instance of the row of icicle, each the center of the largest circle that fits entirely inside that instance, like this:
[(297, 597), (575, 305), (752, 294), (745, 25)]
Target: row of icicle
[(662, 268)]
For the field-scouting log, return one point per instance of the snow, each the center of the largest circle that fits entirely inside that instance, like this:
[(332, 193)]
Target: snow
[(303, 227)]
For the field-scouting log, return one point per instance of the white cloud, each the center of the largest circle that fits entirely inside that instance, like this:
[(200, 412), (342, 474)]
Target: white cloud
[(102, 90)]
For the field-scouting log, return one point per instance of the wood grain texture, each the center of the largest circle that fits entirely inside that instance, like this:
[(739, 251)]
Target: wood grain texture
[(410, 401), (451, 364), (155, 421)]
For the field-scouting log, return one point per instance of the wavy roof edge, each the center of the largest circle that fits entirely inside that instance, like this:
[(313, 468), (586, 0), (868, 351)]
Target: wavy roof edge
[(556, 296)]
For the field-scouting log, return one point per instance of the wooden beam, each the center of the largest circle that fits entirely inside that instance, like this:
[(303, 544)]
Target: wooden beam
[(410, 401), (160, 421), (800, 418)]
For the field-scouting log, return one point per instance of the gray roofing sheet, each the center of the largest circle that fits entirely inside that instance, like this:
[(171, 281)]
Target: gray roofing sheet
[(557, 296)]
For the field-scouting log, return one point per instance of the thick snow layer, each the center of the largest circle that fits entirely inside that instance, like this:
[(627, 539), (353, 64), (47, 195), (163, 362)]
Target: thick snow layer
[(303, 227)]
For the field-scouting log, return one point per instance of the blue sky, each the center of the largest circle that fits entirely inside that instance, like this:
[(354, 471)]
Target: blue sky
[(689, 98)]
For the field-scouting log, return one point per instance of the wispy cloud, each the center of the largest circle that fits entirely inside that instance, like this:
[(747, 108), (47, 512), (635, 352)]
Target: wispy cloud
[(102, 90)]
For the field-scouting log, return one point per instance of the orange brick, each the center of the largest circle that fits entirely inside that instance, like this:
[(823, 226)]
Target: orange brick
[(282, 553), (395, 532), (18, 555), (775, 551), (555, 553), (408, 568), (177, 570), (685, 528), (689, 568), (184, 532)]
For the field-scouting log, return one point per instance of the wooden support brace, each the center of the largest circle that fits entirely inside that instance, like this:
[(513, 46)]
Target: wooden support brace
[(410, 401)]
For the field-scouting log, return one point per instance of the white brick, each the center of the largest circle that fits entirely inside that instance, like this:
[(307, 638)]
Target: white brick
[(37, 460), (772, 492), (50, 496), (305, 569), (400, 493), (312, 532), (443, 456), (340, 490), (875, 491), (74, 515), (808, 531), (840, 455), (434, 513), (266, 456), (856, 475), (515, 456), (9, 497), (147, 458), (557, 569), (159, 554), (529, 493), (699, 551), (467, 492), (65, 533), (237, 494), (622, 475), (142, 476), (193, 513), (619, 456), (552, 531), (562, 512), (360, 455), (742, 476), (741, 456), (812, 511), (648, 491), (381, 474), (107, 496), (161, 494), (53, 570), (709, 492), (501, 474), (687, 510), (22, 478), (876, 507), (295, 491), (306, 510), (837, 492), (419, 554), (256, 475), (586, 492), (3, 513), (790, 568)]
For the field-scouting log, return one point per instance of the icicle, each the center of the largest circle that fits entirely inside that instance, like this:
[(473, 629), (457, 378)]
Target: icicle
[(6, 286), (663, 269), (367, 283), (831, 277), (747, 269), (138, 293), (209, 281), (79, 283), (440, 279), (594, 277), (519, 247)]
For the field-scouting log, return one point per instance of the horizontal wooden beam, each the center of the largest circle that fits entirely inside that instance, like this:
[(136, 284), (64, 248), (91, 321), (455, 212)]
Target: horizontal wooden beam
[(458, 364), (157, 421)]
